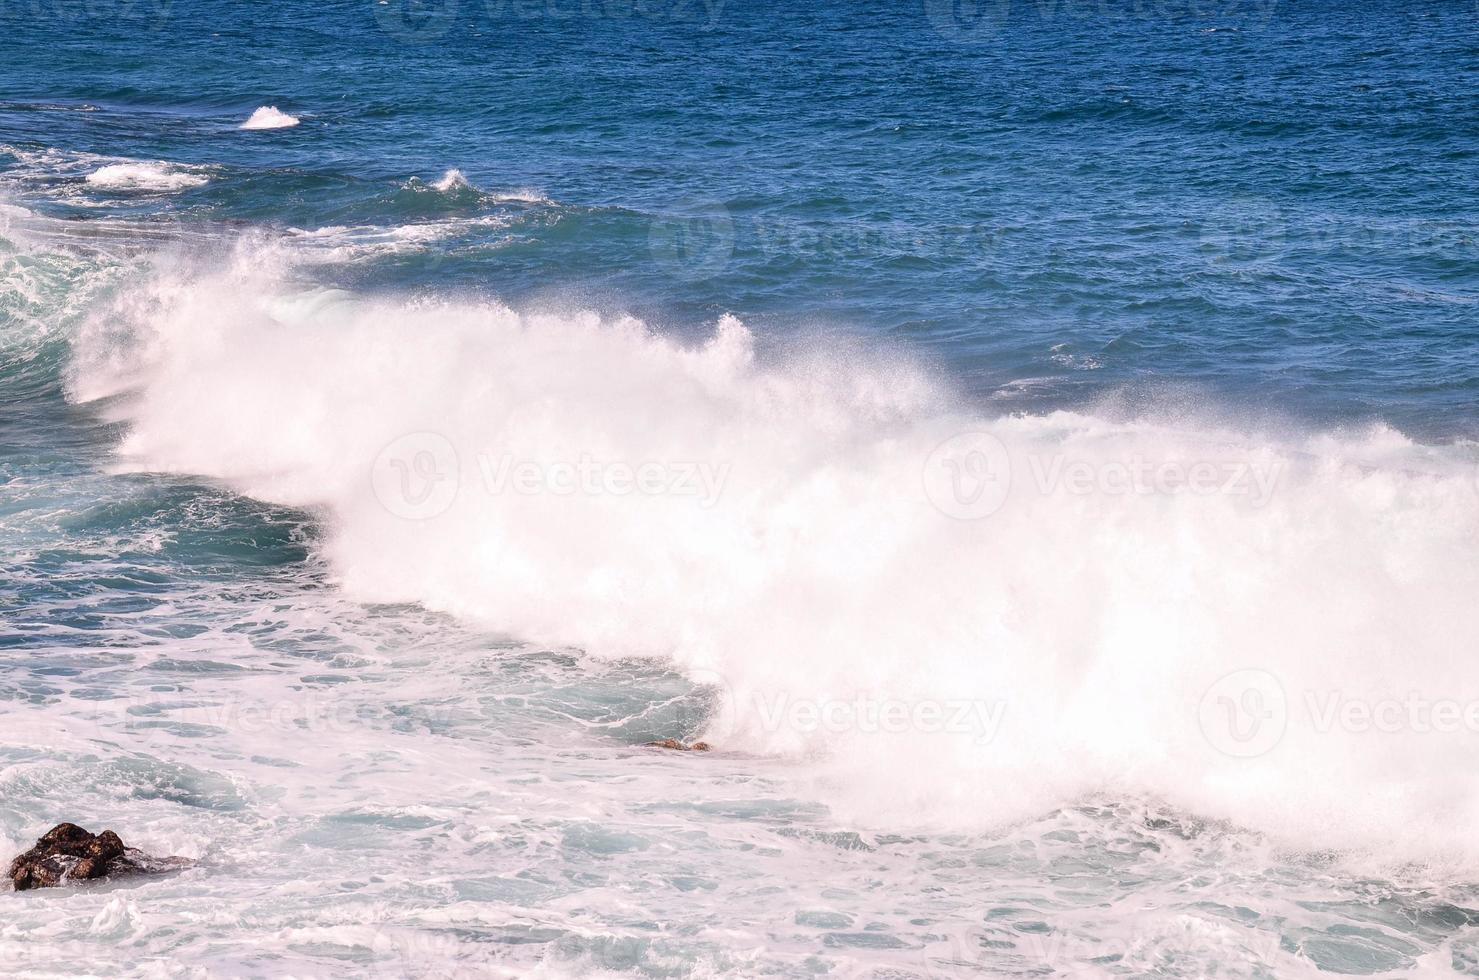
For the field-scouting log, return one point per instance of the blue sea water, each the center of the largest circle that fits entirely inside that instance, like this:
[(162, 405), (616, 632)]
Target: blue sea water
[(802, 265)]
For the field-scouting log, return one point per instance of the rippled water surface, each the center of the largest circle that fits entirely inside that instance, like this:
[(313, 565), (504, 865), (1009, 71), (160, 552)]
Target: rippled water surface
[(291, 296)]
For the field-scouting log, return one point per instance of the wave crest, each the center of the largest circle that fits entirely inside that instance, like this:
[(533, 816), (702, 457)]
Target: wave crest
[(921, 654), (270, 117), (151, 177)]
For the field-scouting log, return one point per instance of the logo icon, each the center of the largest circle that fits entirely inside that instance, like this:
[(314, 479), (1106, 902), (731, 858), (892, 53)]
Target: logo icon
[(967, 21), (416, 476), (968, 476), (1245, 714), (399, 952), (415, 21), (1243, 232), (694, 242)]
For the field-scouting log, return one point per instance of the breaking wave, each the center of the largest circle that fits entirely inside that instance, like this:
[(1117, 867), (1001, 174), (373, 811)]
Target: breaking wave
[(270, 117), (933, 611)]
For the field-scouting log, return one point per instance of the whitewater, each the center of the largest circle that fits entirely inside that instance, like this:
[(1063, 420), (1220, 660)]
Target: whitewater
[(1037, 457), (763, 542), (820, 560)]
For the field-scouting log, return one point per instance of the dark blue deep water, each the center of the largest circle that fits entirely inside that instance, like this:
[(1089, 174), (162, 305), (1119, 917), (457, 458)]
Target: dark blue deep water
[(1273, 202)]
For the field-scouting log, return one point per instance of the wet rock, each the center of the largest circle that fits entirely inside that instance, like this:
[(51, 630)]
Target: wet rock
[(66, 853), (673, 743)]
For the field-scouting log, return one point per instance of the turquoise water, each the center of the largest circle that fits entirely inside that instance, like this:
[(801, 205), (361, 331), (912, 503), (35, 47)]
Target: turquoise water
[(1034, 444)]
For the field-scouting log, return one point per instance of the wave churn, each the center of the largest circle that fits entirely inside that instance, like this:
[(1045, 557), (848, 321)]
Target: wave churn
[(1087, 635)]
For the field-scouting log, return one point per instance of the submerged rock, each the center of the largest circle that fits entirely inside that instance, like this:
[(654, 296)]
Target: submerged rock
[(673, 743), (66, 853)]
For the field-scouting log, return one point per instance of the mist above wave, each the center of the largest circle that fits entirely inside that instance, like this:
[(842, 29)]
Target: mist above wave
[(1172, 611)]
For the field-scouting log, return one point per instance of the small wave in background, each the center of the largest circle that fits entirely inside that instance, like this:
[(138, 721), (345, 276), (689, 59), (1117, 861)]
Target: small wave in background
[(270, 117)]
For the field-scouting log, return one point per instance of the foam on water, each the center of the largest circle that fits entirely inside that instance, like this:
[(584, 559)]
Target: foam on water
[(781, 523), (144, 177), (385, 790), (523, 195), (270, 117), (341, 243), (96, 181), (452, 180), (454, 184)]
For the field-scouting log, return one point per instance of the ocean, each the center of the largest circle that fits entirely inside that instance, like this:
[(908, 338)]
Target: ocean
[(1033, 443)]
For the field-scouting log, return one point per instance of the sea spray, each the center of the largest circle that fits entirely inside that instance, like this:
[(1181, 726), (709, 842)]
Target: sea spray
[(269, 117), (1095, 632), (152, 177)]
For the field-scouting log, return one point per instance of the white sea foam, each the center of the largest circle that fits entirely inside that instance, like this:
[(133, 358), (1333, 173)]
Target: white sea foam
[(345, 243), (149, 177), (524, 195), (84, 173), (270, 117), (455, 181), (1115, 626), (452, 180)]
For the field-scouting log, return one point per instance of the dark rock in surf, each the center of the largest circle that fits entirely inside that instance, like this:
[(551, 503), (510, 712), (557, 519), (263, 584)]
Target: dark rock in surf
[(673, 743), (67, 853)]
